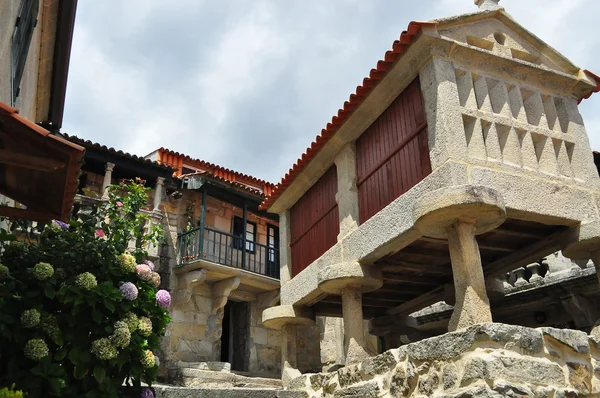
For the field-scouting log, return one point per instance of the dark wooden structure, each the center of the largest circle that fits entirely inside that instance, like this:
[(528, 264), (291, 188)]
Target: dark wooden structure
[(392, 155), (314, 222), (37, 169), (421, 273)]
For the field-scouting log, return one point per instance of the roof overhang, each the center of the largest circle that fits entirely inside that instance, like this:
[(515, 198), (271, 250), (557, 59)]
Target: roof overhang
[(58, 22), (37, 169)]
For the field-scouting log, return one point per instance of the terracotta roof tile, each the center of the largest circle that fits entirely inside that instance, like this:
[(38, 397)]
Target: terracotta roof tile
[(399, 47), (176, 159)]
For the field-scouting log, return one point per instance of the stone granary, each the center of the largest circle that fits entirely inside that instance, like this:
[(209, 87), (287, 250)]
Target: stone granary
[(426, 185)]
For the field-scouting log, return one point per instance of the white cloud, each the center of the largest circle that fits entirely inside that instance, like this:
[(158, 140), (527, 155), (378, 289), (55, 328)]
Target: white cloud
[(249, 83)]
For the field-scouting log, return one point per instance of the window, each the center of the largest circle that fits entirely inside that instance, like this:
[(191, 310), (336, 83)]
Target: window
[(272, 242), (21, 38), (273, 248), (238, 231)]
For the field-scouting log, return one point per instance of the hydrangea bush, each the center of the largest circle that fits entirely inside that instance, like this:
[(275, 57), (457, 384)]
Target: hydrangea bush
[(80, 315)]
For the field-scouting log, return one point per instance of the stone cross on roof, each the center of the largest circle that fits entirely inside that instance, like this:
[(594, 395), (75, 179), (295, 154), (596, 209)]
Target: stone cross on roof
[(486, 5)]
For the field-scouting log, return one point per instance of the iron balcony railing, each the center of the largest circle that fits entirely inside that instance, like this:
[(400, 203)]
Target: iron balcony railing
[(223, 248)]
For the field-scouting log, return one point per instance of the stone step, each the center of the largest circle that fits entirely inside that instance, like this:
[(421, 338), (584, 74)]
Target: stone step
[(191, 377), (163, 391)]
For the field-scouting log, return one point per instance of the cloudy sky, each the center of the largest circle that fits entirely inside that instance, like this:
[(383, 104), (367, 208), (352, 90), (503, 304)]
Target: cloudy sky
[(248, 84)]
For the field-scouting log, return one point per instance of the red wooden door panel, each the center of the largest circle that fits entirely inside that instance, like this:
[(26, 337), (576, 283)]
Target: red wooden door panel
[(392, 154), (314, 222)]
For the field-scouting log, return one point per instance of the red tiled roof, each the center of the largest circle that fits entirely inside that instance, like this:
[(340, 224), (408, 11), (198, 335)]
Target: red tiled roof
[(369, 83), (176, 160), (596, 79)]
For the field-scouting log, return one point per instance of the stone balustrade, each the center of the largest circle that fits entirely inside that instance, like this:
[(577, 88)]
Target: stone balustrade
[(548, 270)]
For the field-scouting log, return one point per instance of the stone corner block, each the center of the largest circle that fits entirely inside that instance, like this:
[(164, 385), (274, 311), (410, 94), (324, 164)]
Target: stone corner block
[(336, 277), (435, 211), (277, 317)]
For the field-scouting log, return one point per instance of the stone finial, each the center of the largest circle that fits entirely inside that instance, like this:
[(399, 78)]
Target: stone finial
[(486, 5)]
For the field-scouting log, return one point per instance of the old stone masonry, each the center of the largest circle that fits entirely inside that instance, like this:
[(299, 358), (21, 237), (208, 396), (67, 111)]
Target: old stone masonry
[(487, 360)]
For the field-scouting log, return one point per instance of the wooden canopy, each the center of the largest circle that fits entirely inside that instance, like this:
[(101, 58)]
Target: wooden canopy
[(37, 169)]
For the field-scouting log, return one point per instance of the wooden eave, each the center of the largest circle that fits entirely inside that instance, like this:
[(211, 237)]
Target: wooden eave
[(37, 169)]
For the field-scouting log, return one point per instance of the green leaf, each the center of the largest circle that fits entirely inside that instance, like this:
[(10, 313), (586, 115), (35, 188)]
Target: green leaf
[(49, 291), (99, 373), (61, 354), (80, 371), (97, 316)]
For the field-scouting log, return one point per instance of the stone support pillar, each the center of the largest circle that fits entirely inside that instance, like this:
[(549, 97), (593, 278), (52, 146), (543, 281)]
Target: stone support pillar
[(347, 194), (355, 344), (158, 193), (288, 318), (285, 253), (472, 304), (289, 353), (107, 179)]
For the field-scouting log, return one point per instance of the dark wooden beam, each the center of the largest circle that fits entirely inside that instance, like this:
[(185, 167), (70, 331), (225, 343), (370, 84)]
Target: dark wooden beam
[(527, 255), (418, 303), (25, 214), (516, 232), (426, 252), (29, 161), (398, 278), (401, 266)]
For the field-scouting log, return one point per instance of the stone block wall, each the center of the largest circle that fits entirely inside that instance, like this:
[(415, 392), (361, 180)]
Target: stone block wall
[(264, 345), (487, 360), (194, 332)]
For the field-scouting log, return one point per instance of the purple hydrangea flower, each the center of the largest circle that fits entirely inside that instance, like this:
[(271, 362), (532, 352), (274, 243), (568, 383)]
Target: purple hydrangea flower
[(149, 264), (163, 298), (129, 291), (61, 224), (147, 393)]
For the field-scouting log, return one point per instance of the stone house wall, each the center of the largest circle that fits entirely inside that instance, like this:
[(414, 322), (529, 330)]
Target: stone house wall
[(487, 360)]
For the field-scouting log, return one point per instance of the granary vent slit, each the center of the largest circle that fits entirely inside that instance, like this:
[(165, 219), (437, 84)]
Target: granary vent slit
[(534, 108), (466, 92), (498, 97), (562, 158), (528, 151), (492, 144), (551, 114), (509, 145), (474, 135), (546, 156), (516, 103), (482, 94)]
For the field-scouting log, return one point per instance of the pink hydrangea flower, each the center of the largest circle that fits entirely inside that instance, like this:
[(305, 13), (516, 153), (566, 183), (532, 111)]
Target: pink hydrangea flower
[(119, 203), (100, 233), (144, 272), (129, 291), (163, 298)]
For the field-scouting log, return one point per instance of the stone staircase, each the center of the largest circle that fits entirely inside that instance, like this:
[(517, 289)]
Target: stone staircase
[(215, 379)]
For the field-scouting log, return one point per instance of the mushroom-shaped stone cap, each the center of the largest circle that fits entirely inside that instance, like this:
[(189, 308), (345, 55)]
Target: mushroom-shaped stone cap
[(437, 210), (277, 317), (336, 277), (582, 241)]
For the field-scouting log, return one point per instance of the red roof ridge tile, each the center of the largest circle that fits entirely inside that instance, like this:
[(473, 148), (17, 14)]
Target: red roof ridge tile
[(399, 47), (208, 165)]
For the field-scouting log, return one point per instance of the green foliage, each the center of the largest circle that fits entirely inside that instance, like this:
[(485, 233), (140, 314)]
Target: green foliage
[(10, 393), (65, 328)]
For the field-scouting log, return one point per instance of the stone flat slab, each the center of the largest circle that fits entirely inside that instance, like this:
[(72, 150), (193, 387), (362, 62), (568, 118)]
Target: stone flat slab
[(198, 392)]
